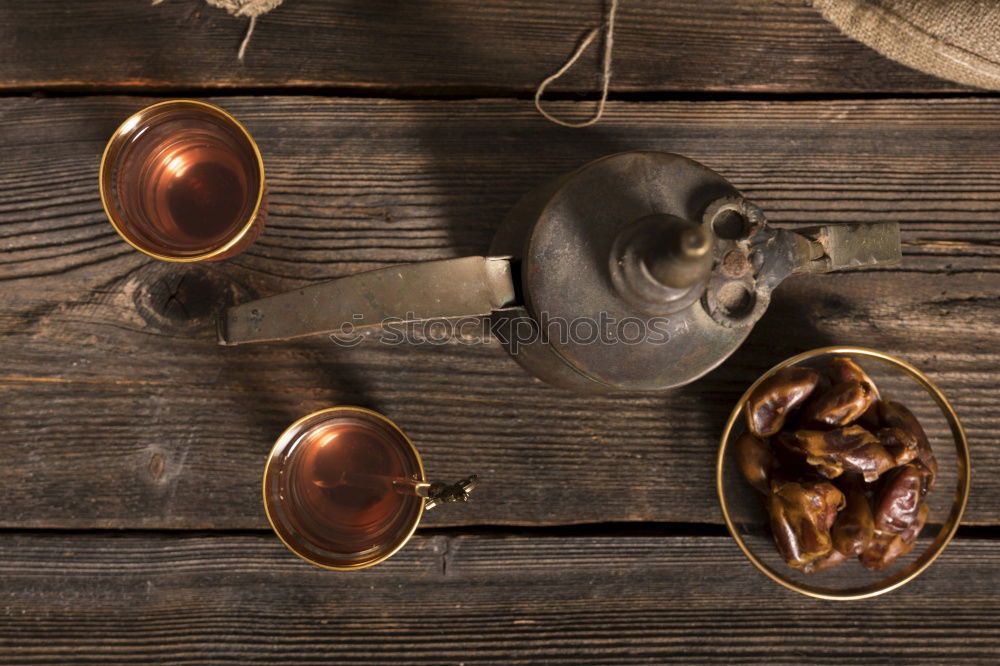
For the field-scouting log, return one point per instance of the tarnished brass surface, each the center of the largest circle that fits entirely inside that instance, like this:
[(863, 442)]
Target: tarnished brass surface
[(648, 240)]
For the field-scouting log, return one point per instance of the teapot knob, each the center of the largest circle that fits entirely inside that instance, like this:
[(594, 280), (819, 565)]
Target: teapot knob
[(660, 262)]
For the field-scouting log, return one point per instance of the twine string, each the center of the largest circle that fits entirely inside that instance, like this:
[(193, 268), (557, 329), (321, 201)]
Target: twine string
[(250, 8), (246, 38), (605, 71)]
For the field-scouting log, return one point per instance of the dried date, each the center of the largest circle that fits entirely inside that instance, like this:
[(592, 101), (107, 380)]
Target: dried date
[(801, 515), (828, 561), (843, 369), (895, 415), (849, 448), (898, 501), (770, 403), (854, 527), (756, 461), (886, 547), (842, 404), (900, 444)]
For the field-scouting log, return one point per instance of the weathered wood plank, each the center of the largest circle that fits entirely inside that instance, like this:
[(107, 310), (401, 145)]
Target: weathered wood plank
[(120, 411), (437, 46), (515, 600)]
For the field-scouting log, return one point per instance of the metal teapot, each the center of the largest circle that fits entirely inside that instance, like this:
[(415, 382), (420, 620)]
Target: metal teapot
[(661, 259)]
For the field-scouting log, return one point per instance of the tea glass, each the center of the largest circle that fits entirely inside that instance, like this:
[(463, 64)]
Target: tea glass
[(183, 181), (344, 488)]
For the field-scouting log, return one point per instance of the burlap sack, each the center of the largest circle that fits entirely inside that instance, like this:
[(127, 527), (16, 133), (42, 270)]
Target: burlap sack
[(953, 39)]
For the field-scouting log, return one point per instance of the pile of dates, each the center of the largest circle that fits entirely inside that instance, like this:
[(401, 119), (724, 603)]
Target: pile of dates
[(843, 472)]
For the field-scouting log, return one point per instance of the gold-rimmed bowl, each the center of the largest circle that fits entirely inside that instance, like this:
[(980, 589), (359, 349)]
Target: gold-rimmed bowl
[(897, 380)]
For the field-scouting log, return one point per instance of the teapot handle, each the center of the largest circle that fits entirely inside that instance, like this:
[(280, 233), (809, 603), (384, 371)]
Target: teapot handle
[(468, 286), (838, 247), (739, 292), (823, 249)]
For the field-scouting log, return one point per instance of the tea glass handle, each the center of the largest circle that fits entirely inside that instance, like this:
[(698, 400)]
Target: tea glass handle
[(439, 493), (450, 288)]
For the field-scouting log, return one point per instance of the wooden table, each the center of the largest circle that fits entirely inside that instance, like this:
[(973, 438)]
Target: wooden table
[(133, 445)]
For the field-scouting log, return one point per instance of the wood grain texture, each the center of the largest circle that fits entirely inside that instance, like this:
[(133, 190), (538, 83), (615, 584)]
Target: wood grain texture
[(439, 46), (118, 410), (515, 600)]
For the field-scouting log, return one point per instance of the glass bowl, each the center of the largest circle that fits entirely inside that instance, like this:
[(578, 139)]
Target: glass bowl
[(896, 380)]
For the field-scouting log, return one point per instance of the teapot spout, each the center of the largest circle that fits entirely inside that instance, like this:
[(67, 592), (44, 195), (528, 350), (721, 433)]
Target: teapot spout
[(469, 286)]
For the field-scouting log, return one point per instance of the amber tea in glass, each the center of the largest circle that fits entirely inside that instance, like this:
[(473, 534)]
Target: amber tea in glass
[(184, 181), (344, 488)]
